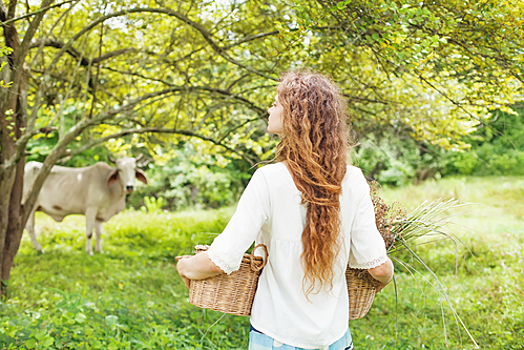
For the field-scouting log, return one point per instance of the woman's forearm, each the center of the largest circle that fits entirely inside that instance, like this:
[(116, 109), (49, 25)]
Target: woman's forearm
[(383, 273), (197, 267)]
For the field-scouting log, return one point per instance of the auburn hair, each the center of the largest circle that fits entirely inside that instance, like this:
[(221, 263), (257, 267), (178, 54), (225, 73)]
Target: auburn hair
[(315, 146)]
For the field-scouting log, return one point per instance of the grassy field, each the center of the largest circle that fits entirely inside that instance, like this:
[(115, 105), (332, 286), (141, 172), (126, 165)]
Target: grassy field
[(130, 297)]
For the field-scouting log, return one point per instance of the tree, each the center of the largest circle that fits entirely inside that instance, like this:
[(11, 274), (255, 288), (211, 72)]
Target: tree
[(148, 68)]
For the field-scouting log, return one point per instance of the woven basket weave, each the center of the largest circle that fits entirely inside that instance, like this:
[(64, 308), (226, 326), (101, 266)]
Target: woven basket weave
[(232, 294), (361, 291)]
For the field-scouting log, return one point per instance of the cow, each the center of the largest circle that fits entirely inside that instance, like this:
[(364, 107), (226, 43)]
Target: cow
[(97, 191)]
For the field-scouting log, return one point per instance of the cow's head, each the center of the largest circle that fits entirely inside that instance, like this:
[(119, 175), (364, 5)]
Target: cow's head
[(126, 172)]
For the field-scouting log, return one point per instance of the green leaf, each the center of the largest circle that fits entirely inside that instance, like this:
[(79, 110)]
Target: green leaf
[(31, 343), (80, 317), (47, 342), (112, 320)]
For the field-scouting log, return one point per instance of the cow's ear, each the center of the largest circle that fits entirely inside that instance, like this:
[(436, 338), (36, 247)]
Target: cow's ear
[(139, 174), (113, 177)]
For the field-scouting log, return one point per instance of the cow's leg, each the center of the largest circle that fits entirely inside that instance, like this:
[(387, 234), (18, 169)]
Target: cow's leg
[(98, 230), (90, 225), (30, 227)]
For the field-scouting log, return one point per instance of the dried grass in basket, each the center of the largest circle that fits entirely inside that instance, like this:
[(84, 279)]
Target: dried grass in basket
[(232, 294)]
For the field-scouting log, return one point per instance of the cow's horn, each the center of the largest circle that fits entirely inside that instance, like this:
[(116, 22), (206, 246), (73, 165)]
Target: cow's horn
[(111, 159)]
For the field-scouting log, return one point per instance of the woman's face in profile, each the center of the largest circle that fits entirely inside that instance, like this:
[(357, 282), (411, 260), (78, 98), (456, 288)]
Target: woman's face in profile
[(276, 112)]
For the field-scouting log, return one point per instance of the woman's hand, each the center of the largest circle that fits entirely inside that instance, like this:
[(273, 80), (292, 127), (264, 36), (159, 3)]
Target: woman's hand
[(383, 273), (196, 267), (180, 269)]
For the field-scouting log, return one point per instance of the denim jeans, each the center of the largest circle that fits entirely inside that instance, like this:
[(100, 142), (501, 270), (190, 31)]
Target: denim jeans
[(260, 341)]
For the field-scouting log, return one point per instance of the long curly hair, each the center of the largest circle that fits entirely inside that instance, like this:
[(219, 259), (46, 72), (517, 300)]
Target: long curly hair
[(315, 145)]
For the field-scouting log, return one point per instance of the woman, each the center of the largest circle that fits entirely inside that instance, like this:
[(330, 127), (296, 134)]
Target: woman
[(314, 213)]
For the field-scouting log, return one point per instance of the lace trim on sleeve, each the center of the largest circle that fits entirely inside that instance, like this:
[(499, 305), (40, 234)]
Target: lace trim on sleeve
[(220, 262), (370, 264)]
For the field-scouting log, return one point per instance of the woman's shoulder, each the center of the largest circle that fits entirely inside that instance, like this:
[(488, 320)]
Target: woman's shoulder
[(355, 180), (270, 173), (354, 173), (272, 168)]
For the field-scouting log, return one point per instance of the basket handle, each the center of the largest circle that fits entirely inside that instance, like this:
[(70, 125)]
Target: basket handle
[(254, 267), (202, 248)]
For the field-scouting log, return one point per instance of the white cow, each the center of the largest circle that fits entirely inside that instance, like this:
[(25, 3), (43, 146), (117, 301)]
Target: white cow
[(97, 191)]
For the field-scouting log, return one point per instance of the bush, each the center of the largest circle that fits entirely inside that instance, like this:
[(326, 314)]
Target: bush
[(497, 148), (466, 162), (189, 180), (395, 161)]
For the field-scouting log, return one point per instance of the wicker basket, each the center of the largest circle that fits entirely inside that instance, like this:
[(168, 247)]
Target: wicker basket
[(361, 292), (232, 294)]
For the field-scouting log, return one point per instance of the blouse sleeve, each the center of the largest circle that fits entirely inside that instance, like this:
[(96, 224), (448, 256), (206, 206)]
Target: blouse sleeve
[(367, 248), (252, 211)]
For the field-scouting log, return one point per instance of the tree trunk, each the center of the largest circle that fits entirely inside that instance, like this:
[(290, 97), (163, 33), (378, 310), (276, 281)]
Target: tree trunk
[(6, 185), (13, 120), (7, 174), (15, 226), (11, 187)]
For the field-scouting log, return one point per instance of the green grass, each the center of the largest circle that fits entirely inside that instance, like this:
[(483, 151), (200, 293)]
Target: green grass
[(482, 274), (130, 297)]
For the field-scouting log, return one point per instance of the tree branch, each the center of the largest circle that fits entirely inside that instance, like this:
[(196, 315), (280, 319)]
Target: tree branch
[(12, 9), (40, 10), (71, 153), (82, 125), (30, 32), (186, 88), (203, 31), (75, 54), (251, 38), (3, 12), (363, 99), (59, 149), (206, 35)]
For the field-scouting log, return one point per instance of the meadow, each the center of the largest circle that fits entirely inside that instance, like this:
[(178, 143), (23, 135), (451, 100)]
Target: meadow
[(130, 297)]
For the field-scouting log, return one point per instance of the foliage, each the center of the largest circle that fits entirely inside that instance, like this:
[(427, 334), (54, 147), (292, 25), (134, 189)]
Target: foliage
[(399, 63), (126, 75), (458, 58), (188, 180), (394, 160), (131, 298), (497, 148), (192, 89)]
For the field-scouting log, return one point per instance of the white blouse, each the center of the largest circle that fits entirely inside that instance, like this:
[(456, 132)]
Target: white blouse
[(269, 212)]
